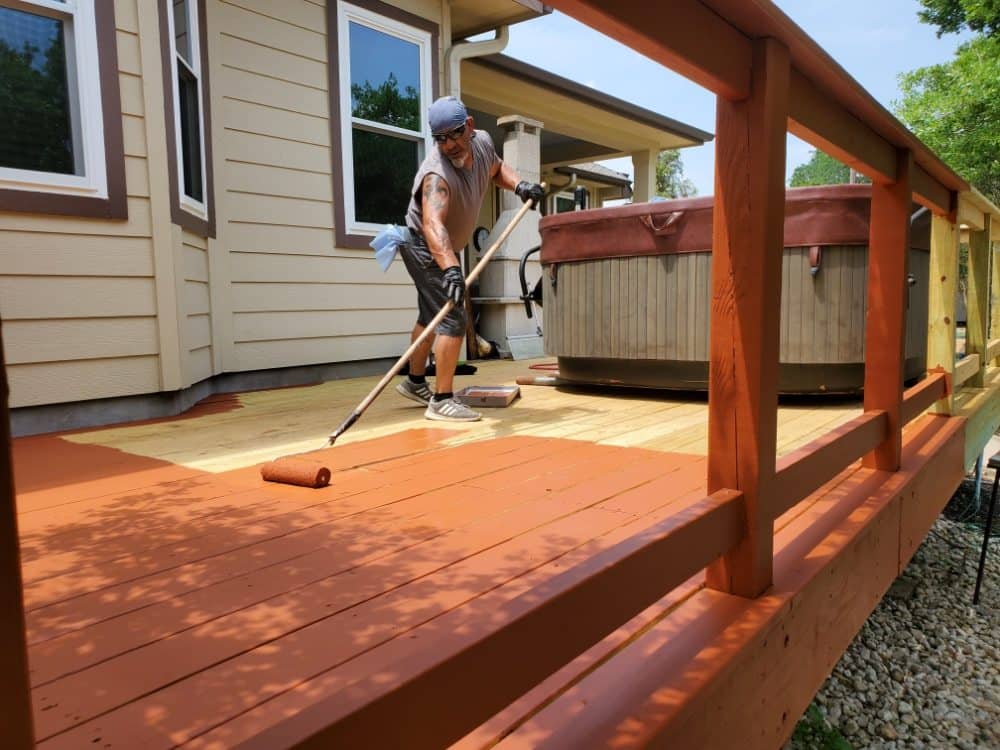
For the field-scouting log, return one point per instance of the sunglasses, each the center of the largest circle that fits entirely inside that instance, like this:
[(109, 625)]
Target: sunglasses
[(451, 135)]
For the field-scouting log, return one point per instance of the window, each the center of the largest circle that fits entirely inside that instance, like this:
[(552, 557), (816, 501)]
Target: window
[(383, 91), (61, 112), (563, 203), (188, 116)]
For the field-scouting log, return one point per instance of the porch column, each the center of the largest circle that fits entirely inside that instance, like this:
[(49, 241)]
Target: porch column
[(978, 301), (941, 301), (522, 149), (747, 245), (644, 171), (885, 326), (502, 318)]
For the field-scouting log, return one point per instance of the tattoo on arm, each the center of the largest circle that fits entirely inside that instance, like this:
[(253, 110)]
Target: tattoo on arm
[(435, 208), (436, 193)]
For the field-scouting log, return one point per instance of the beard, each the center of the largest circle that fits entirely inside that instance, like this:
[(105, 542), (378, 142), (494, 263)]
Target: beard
[(458, 163)]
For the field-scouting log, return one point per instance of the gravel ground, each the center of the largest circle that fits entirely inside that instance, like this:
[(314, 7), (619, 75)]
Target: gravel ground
[(924, 672)]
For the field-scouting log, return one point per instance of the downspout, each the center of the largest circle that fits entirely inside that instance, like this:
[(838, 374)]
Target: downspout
[(463, 50)]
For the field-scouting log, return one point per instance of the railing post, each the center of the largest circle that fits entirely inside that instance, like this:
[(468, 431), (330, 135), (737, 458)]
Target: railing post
[(978, 300), (747, 243), (994, 286), (16, 727), (885, 327), (941, 301)]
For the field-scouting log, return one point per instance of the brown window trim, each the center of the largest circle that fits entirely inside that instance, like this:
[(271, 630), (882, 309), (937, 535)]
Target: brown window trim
[(178, 214), (343, 239), (115, 206)]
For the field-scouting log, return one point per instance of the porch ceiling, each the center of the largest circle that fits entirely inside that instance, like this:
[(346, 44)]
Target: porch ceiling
[(470, 17), (584, 117)]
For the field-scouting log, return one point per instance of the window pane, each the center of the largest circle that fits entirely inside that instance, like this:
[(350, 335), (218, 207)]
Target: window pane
[(35, 128), (190, 116), (182, 30), (385, 78), (564, 204), (384, 167)]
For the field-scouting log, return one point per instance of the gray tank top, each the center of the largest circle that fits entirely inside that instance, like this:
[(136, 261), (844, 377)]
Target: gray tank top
[(467, 186)]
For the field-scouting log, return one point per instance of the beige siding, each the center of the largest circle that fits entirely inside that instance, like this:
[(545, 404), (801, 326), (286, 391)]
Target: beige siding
[(76, 295), (196, 309), (296, 298)]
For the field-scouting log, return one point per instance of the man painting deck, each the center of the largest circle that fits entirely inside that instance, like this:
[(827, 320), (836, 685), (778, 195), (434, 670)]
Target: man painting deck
[(447, 193)]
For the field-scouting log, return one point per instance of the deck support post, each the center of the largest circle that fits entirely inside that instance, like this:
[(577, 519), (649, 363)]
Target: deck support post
[(978, 301), (747, 246), (16, 726), (941, 301), (885, 326)]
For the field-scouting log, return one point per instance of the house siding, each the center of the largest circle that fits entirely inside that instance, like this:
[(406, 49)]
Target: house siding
[(76, 295), (297, 299), (98, 308)]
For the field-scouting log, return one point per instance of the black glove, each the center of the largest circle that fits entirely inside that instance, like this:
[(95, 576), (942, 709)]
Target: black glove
[(529, 191), (454, 284)]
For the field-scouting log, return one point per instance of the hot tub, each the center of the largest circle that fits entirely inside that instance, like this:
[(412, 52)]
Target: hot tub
[(626, 292)]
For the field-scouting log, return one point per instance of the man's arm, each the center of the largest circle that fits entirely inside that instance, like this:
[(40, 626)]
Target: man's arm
[(434, 204), (504, 175)]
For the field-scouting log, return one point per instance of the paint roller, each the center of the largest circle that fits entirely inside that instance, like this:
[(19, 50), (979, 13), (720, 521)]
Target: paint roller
[(297, 470)]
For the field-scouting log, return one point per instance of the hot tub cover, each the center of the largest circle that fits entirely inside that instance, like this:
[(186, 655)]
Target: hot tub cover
[(814, 217)]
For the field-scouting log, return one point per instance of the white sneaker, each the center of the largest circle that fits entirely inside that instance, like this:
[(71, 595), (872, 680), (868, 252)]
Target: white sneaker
[(419, 392), (451, 410)]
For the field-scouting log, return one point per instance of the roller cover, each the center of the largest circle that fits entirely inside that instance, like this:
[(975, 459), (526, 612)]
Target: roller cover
[(297, 471)]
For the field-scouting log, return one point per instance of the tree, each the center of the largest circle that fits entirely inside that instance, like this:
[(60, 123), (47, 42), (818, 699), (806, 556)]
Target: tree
[(822, 169), (670, 179), (951, 16), (955, 109), (35, 131)]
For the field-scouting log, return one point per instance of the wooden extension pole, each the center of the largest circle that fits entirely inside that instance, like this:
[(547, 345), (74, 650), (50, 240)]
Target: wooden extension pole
[(885, 327), (747, 244), (15, 688)]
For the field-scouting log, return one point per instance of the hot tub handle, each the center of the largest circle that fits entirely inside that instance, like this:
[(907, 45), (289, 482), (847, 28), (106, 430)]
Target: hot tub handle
[(667, 226), (526, 296), (815, 258)]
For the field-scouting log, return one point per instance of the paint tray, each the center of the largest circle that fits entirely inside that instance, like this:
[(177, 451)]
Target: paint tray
[(488, 395)]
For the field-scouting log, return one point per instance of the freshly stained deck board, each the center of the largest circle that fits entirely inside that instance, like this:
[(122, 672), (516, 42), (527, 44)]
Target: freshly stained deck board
[(172, 604)]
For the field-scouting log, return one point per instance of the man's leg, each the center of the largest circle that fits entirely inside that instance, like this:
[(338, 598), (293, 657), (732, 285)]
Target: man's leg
[(444, 405), (446, 350), (418, 360)]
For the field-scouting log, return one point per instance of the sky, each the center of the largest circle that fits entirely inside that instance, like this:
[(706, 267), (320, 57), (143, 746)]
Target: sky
[(873, 40)]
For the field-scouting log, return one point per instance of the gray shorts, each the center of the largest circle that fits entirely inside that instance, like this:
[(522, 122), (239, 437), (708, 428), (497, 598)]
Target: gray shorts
[(431, 294)]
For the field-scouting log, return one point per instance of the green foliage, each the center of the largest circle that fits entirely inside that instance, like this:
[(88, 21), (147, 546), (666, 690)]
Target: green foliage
[(951, 16), (955, 109), (384, 164), (670, 179), (386, 104), (822, 169), (35, 128), (814, 733)]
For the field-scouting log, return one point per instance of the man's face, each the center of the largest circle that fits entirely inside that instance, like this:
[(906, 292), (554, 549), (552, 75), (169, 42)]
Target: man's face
[(456, 145)]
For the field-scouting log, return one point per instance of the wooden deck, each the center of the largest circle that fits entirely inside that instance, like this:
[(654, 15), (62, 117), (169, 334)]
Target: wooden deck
[(175, 599)]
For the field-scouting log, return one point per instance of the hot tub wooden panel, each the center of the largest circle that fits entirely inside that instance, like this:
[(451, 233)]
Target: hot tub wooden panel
[(643, 320)]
